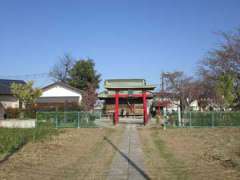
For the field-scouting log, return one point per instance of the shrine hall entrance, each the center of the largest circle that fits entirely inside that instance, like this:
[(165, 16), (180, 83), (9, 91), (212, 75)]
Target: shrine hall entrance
[(130, 110), (127, 100), (131, 106)]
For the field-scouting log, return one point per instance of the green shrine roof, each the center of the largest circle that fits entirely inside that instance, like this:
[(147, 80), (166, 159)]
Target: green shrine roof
[(125, 86)]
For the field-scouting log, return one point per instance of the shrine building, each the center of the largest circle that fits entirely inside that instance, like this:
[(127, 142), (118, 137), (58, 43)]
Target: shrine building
[(127, 98)]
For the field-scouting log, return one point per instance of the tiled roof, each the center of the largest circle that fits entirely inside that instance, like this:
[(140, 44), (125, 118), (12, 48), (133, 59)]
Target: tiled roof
[(5, 86), (127, 84)]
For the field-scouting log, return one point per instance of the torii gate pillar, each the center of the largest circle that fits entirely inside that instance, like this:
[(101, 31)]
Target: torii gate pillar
[(145, 115), (116, 114)]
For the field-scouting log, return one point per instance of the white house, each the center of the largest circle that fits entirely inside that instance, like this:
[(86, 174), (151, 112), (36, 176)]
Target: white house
[(6, 96), (58, 95), (194, 105), (7, 100), (168, 102)]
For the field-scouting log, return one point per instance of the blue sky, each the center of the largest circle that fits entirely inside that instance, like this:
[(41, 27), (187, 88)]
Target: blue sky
[(127, 39)]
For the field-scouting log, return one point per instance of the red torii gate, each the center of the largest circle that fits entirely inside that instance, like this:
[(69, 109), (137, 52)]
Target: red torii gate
[(144, 96)]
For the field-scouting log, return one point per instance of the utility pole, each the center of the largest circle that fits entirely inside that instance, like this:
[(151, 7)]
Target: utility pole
[(179, 116), (162, 81)]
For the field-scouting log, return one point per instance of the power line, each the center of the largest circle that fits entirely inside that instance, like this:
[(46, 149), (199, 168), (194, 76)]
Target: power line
[(25, 76)]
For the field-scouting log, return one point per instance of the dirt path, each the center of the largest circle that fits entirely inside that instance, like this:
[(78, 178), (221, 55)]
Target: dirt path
[(75, 154), (198, 154)]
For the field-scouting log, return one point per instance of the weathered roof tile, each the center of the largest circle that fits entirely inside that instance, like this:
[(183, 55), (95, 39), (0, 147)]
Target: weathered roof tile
[(5, 86)]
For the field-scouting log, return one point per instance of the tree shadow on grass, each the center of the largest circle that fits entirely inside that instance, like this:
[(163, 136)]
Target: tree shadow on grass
[(12, 151)]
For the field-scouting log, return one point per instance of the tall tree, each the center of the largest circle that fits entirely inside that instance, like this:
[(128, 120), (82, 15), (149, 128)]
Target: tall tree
[(204, 93), (60, 71), (225, 89), (223, 63), (83, 73), (80, 74)]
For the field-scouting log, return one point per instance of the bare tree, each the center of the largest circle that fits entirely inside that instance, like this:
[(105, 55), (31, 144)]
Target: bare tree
[(182, 86), (89, 97), (224, 61), (60, 71)]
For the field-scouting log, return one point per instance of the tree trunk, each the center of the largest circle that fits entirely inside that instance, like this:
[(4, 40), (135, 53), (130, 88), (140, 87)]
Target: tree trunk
[(21, 113)]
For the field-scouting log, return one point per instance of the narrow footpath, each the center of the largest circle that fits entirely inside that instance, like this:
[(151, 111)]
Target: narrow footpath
[(128, 162)]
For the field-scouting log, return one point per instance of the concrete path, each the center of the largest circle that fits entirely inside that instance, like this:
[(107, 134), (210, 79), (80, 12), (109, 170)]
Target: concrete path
[(128, 162)]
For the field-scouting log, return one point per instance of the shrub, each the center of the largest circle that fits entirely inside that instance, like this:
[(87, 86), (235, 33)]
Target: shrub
[(15, 113)]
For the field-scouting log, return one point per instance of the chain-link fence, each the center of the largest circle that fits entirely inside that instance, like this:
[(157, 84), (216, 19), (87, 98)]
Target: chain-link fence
[(204, 119), (67, 119)]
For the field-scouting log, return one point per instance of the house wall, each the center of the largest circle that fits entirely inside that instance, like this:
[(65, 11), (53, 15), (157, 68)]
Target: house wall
[(18, 124), (194, 106), (9, 101), (173, 107), (59, 91)]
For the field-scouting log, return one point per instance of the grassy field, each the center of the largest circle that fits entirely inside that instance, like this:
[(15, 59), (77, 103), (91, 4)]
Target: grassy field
[(13, 139), (74, 154), (192, 153), (201, 153)]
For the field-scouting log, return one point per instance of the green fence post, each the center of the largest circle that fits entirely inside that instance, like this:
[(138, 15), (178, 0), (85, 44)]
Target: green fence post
[(179, 117), (56, 120), (36, 120), (190, 116), (87, 118), (78, 120), (212, 119)]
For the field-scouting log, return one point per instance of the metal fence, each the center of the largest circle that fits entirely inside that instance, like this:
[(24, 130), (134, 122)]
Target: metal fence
[(205, 119), (67, 119)]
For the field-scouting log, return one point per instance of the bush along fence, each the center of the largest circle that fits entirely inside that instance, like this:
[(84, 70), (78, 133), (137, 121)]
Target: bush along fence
[(205, 119), (67, 119)]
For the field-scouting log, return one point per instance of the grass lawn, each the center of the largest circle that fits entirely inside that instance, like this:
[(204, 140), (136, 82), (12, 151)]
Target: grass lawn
[(13, 139), (75, 154), (202, 153)]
